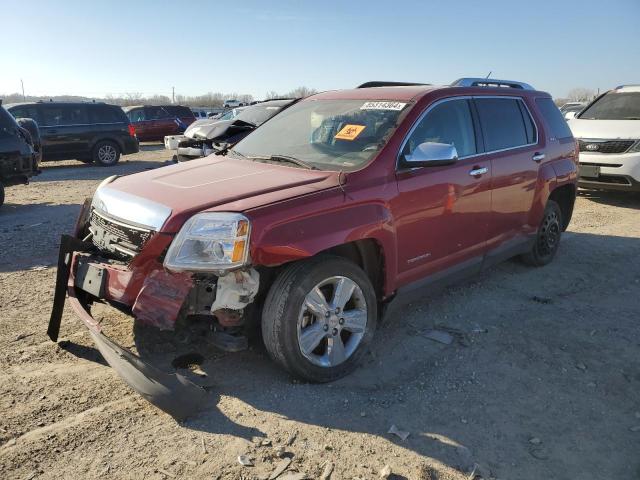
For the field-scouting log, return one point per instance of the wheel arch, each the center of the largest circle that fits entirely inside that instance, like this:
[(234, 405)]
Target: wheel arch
[(565, 197)]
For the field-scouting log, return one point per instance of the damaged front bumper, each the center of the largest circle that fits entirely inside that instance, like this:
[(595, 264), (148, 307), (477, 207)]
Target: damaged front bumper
[(82, 277)]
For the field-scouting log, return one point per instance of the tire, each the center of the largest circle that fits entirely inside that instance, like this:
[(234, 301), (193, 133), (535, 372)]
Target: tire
[(106, 153), (1, 194), (548, 237), (285, 318)]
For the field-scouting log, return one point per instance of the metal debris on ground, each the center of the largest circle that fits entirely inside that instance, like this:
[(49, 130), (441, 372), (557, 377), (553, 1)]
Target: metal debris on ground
[(166, 474), (292, 438), (245, 461), (438, 336), (280, 451), (479, 471), (280, 467), (543, 300), (328, 470), (204, 446), (385, 472), (403, 435), (294, 476)]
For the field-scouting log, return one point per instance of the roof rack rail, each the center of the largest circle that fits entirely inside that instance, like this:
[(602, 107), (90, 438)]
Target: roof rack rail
[(377, 83), (490, 82)]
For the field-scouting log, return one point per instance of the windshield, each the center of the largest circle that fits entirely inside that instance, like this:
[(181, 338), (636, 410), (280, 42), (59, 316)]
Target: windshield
[(327, 134), (229, 115), (614, 106)]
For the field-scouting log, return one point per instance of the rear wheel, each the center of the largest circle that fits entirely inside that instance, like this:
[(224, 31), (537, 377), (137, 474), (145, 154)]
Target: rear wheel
[(547, 238), (318, 318), (106, 153)]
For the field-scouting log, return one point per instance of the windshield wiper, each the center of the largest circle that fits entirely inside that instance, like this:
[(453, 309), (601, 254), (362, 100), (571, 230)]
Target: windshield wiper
[(286, 159)]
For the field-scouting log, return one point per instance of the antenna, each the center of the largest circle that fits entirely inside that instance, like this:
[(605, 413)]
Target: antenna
[(489, 74)]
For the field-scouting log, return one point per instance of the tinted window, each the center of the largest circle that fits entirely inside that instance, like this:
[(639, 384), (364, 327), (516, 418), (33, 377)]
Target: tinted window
[(136, 115), (156, 113), (503, 124), (449, 122), (53, 115), (105, 114), (553, 118), (25, 111), (615, 105), (178, 110)]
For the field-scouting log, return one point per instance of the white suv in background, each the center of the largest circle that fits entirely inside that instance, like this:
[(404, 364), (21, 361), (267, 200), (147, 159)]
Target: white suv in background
[(608, 131)]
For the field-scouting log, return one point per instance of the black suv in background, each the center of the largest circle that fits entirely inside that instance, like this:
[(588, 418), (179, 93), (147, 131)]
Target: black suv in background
[(89, 132), (18, 159)]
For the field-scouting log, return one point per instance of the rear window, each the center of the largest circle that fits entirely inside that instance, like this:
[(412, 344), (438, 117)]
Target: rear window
[(178, 111), (506, 123), (553, 117), (106, 114)]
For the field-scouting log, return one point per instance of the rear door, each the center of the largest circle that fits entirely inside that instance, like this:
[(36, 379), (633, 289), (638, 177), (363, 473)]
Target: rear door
[(511, 144), (443, 211), (138, 118), (64, 130), (161, 122)]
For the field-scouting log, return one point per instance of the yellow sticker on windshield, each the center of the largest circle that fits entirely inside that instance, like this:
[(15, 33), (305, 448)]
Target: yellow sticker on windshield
[(350, 132)]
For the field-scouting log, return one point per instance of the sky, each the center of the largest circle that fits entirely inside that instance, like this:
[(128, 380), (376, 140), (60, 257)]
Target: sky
[(96, 48)]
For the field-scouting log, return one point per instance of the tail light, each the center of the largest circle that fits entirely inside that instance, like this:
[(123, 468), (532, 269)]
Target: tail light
[(132, 130)]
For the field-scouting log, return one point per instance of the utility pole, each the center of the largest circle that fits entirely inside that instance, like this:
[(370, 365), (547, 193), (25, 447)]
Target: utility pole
[(173, 94), (24, 99)]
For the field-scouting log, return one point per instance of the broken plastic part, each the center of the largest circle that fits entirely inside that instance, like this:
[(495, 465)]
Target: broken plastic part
[(236, 290)]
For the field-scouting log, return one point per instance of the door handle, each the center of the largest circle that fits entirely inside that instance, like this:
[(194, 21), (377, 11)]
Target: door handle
[(477, 171), (538, 157)]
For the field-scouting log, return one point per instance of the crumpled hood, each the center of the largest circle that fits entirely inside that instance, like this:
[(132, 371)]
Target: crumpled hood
[(207, 129), (605, 129), (212, 183)]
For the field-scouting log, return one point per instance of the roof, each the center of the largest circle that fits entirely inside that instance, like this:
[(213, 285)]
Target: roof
[(404, 93)]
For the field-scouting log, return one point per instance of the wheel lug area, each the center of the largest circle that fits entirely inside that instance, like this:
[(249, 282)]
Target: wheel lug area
[(334, 332), (341, 321), (326, 327), (337, 310), (327, 314)]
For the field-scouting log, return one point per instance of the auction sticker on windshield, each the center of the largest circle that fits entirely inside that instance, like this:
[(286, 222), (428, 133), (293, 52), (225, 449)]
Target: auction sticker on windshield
[(350, 132), (383, 106)]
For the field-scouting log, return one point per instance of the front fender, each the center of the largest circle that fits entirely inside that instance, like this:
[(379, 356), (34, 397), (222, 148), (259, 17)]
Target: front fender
[(309, 233)]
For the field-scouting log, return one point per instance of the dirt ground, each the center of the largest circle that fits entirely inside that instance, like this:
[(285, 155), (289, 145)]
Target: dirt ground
[(543, 381)]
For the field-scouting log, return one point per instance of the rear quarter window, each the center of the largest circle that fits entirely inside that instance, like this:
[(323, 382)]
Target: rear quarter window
[(506, 123), (178, 110), (25, 111), (106, 114), (553, 118)]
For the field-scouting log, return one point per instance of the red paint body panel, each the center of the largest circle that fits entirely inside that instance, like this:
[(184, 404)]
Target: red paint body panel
[(424, 220)]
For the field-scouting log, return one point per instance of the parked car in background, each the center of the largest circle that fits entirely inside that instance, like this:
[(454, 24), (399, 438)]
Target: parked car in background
[(153, 122), (88, 132), (572, 107), (204, 137), (184, 114), (233, 103), (608, 132), (18, 159), (171, 141), (314, 222), (202, 112)]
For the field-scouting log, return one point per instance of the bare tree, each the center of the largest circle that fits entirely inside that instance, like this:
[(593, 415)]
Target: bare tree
[(581, 94), (272, 94), (301, 92)]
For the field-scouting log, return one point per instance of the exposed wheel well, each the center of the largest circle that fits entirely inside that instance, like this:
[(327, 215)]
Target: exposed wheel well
[(367, 254), (565, 197)]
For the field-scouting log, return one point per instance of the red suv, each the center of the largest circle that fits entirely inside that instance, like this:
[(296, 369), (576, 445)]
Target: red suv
[(155, 122), (372, 192)]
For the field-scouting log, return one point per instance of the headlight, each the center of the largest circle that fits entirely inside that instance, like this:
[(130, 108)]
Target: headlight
[(210, 241)]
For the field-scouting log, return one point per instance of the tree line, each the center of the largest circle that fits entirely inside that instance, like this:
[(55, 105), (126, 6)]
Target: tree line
[(210, 100)]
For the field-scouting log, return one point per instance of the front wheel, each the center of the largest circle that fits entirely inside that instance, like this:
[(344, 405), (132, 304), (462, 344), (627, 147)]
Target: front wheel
[(318, 318), (547, 238), (106, 153)]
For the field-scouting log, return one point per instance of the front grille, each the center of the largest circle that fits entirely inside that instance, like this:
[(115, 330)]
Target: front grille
[(605, 146), (119, 239)]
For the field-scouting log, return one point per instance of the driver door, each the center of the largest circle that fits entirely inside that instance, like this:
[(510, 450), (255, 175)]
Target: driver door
[(442, 212)]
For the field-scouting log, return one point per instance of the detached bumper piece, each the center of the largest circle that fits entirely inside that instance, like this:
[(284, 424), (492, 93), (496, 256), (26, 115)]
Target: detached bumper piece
[(171, 392)]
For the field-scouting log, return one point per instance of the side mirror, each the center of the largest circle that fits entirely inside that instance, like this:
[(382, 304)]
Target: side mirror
[(570, 115), (432, 154)]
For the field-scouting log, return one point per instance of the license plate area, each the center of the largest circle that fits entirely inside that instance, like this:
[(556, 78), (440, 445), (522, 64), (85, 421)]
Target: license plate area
[(589, 171), (90, 277)]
